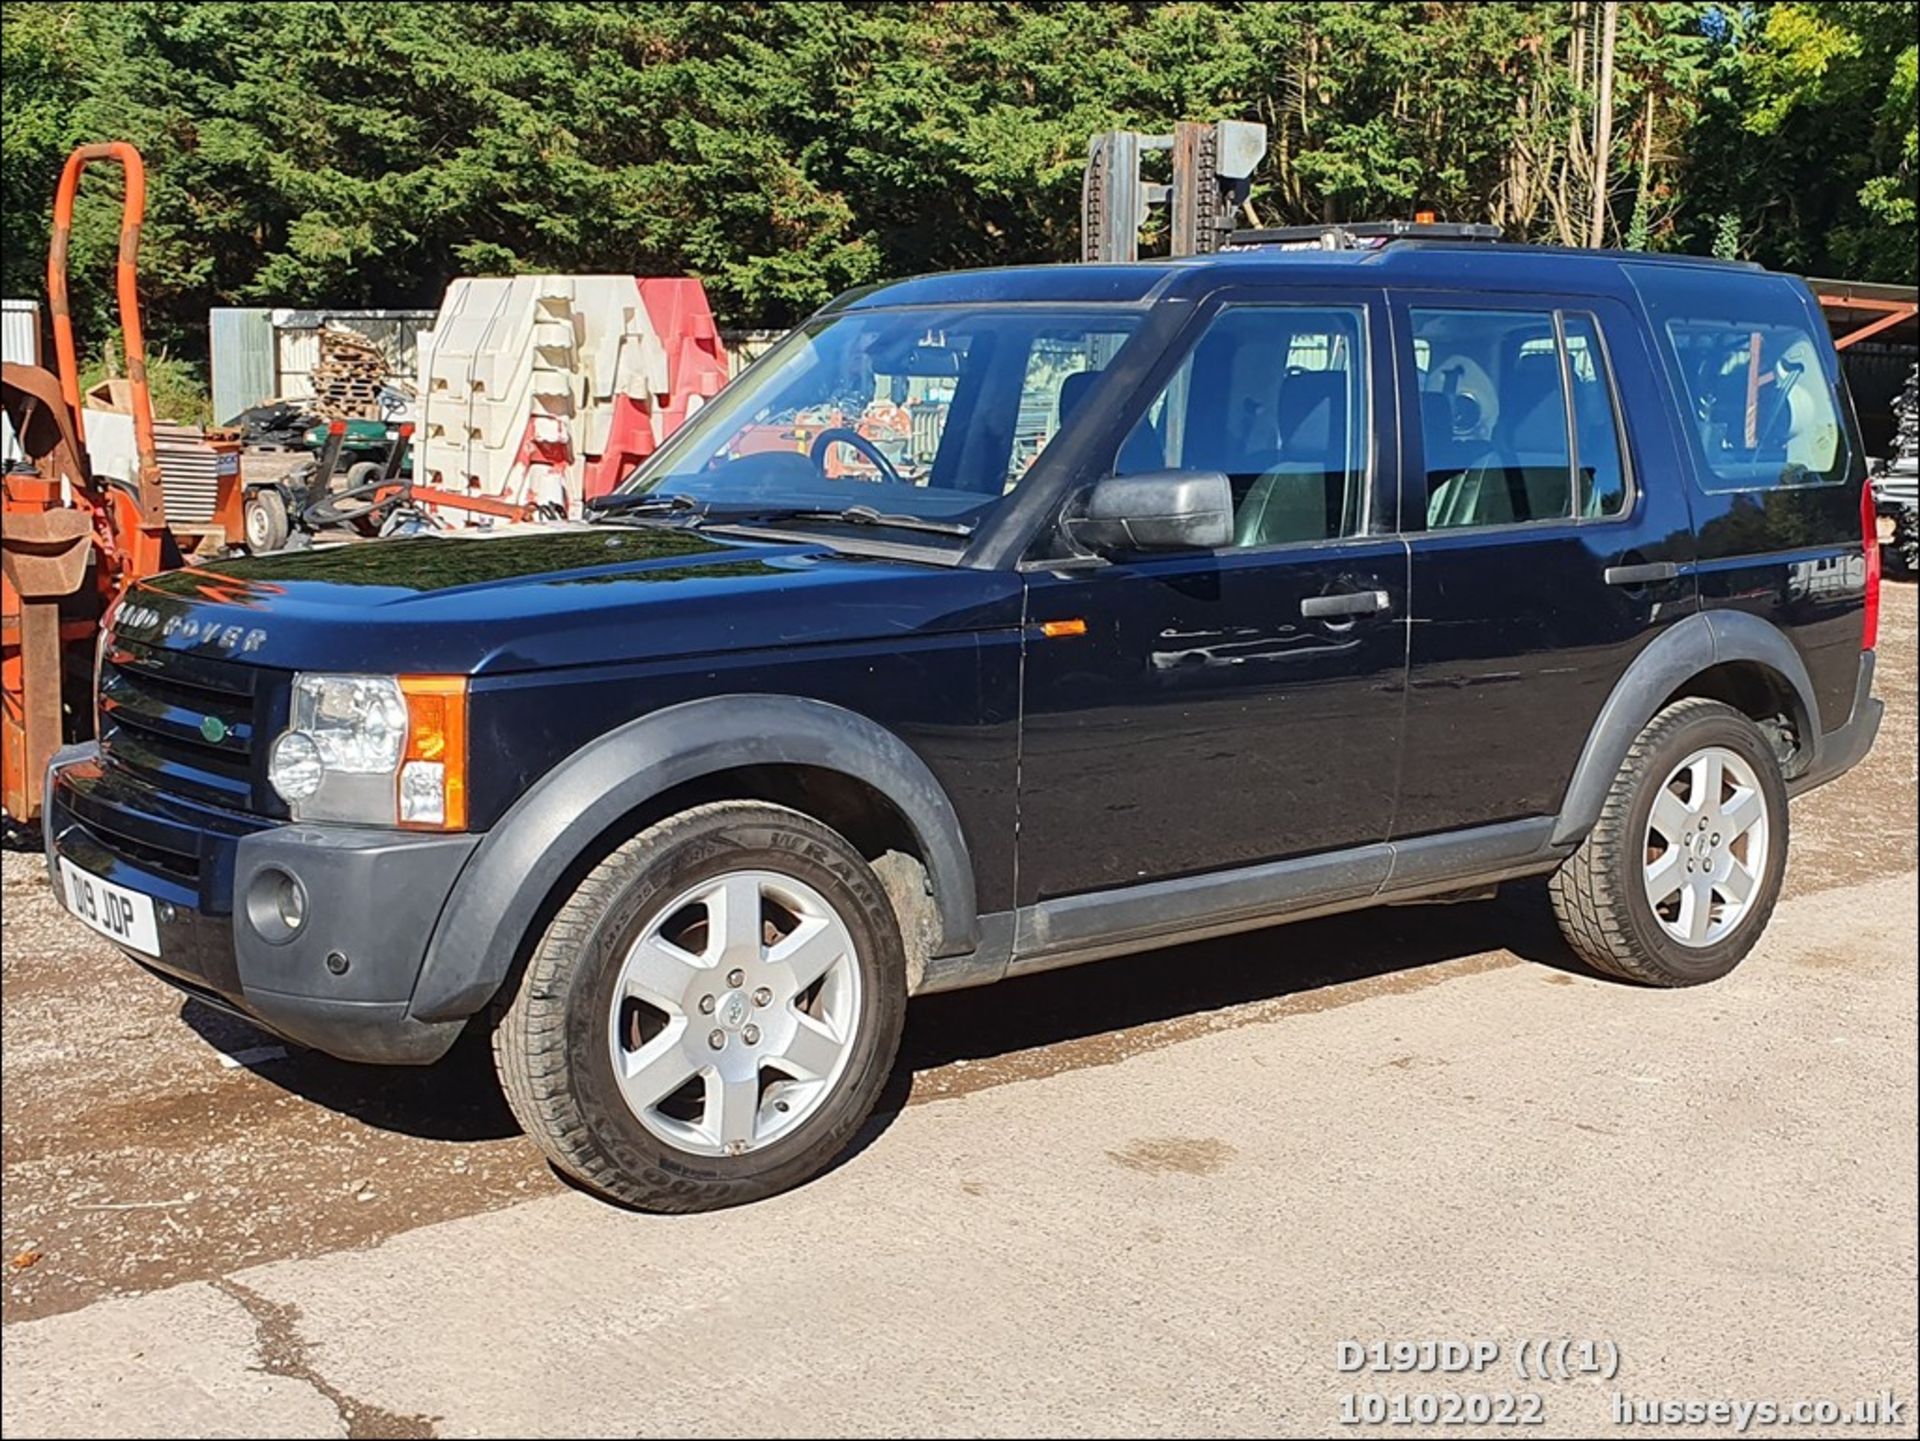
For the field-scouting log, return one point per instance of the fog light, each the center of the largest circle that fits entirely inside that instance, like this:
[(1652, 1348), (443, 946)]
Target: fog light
[(276, 904), (291, 902)]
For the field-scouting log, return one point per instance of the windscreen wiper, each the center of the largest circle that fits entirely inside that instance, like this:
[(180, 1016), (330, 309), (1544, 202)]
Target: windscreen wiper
[(867, 515), (632, 501)]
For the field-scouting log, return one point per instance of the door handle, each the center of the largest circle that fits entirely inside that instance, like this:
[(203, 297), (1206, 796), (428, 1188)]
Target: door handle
[(1353, 602), (1642, 574)]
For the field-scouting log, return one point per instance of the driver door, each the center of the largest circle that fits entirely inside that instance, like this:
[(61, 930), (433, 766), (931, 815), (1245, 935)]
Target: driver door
[(1229, 707)]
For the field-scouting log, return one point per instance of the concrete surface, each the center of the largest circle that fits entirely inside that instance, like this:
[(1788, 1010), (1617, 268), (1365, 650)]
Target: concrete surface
[(1144, 1197)]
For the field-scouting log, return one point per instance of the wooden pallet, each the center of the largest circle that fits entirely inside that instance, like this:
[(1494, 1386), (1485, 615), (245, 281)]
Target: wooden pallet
[(348, 377)]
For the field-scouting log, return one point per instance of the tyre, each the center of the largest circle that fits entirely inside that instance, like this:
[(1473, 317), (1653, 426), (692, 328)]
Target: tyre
[(1676, 881), (266, 520), (361, 474), (711, 1014)]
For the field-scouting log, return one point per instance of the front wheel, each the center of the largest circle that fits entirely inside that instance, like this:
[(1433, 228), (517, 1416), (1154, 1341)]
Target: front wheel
[(712, 1013), (266, 520), (1677, 879)]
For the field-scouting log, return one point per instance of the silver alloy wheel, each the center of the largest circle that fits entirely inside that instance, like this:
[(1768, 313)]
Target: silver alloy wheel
[(734, 1013), (1706, 846)]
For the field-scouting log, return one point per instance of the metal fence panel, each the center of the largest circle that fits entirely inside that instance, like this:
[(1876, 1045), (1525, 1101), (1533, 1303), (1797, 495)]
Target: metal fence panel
[(19, 343), (241, 359)]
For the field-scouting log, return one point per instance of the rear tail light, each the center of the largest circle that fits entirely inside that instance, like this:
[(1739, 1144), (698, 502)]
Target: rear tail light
[(1870, 534)]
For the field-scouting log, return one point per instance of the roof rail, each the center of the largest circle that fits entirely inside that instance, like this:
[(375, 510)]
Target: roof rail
[(1359, 235)]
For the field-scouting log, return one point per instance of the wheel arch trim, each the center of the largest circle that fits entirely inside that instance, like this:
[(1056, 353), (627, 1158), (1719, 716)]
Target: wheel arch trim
[(513, 872), (1685, 650)]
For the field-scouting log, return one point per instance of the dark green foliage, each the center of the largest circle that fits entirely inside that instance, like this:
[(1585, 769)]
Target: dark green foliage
[(362, 154)]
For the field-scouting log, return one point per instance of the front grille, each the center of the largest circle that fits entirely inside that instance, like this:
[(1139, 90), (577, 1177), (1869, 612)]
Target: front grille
[(172, 861), (185, 723)]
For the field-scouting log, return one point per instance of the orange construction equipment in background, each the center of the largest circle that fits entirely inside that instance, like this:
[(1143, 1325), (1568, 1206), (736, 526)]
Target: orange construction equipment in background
[(71, 542)]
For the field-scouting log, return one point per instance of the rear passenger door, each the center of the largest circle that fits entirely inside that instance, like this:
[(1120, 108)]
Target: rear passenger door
[(1228, 707), (1550, 541)]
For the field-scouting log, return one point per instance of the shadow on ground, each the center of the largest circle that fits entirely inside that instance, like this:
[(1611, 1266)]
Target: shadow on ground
[(459, 1099)]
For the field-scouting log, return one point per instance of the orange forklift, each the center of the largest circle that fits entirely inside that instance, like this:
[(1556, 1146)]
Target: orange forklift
[(71, 541)]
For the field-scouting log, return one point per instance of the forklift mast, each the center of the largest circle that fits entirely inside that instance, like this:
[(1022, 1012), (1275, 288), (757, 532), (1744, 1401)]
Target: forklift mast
[(1213, 167)]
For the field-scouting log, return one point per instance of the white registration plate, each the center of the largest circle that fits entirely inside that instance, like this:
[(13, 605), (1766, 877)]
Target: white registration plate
[(116, 912)]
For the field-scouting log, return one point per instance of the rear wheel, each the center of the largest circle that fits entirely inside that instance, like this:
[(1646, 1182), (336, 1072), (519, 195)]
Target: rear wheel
[(1678, 878), (712, 1013)]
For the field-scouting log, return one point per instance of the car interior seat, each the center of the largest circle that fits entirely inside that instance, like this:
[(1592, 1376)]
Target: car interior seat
[(1526, 474), (1302, 495)]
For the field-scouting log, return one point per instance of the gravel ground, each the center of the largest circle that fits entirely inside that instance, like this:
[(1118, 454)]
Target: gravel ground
[(135, 1159)]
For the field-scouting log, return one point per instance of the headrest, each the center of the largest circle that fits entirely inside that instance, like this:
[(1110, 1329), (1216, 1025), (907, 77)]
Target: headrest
[(1073, 390), (1313, 414), (1539, 426)]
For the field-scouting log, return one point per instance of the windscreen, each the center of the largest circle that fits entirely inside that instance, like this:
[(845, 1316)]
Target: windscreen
[(935, 413)]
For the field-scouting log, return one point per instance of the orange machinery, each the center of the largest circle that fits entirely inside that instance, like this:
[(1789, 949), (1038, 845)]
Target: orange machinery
[(72, 542)]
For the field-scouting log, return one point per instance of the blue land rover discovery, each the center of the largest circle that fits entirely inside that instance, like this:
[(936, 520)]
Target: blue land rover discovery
[(1000, 621)]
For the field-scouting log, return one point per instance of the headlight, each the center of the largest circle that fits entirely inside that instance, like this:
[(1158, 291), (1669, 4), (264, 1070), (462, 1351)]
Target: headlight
[(374, 750), (359, 722), (295, 766)]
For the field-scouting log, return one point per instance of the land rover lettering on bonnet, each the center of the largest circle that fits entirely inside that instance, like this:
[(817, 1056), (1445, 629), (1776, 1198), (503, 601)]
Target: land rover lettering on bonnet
[(138, 621), (999, 621)]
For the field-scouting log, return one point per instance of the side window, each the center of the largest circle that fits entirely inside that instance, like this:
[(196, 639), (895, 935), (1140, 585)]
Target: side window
[(1060, 370), (1493, 418), (1276, 397), (1750, 374), (1762, 410), (1602, 479)]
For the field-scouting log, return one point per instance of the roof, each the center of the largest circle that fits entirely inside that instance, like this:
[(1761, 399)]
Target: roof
[(1441, 264)]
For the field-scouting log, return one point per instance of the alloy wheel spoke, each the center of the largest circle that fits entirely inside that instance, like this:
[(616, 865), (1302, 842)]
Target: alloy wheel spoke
[(1737, 885), (1742, 813), (809, 951), (659, 972), (1696, 909), (733, 920), (1666, 875), (1709, 778), (1672, 817), (812, 1052), (655, 1071), (733, 1105)]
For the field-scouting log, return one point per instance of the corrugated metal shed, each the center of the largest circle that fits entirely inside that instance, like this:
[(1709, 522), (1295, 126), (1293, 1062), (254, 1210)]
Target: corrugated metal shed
[(19, 343), (743, 347), (241, 357)]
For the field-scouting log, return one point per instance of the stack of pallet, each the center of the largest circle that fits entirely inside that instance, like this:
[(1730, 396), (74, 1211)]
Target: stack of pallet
[(348, 376)]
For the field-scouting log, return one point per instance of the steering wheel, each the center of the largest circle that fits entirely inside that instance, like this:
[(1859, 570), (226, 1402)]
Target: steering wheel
[(841, 435)]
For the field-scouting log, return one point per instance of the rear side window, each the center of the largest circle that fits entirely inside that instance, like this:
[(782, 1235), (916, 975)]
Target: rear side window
[(1743, 355), (1276, 397), (1502, 443)]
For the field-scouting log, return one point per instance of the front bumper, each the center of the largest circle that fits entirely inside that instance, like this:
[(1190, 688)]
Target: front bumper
[(342, 982)]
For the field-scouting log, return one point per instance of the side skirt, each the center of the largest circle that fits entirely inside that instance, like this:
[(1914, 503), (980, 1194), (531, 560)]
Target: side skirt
[(1101, 924)]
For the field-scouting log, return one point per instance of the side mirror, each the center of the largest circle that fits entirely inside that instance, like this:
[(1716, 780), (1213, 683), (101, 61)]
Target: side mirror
[(1158, 510)]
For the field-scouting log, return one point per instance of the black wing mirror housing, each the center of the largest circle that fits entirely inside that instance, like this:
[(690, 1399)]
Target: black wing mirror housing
[(1158, 510)]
